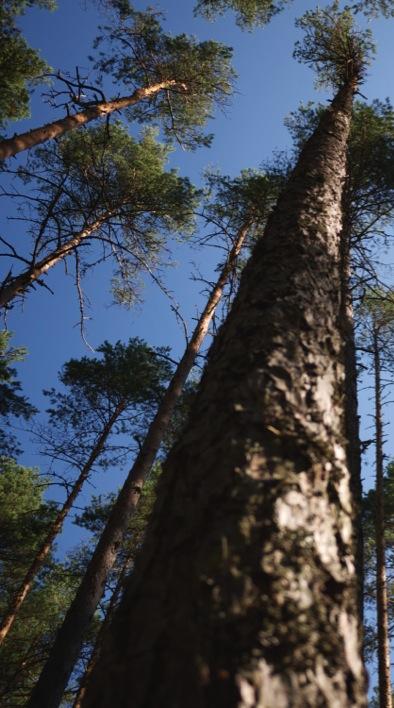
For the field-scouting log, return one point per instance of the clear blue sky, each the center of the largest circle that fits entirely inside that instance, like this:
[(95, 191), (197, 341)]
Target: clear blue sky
[(270, 85)]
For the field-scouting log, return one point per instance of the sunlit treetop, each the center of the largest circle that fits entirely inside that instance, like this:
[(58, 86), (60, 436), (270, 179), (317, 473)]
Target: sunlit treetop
[(246, 199), (333, 46), (374, 8), (249, 13), (252, 13), (104, 174), (137, 53), (379, 304)]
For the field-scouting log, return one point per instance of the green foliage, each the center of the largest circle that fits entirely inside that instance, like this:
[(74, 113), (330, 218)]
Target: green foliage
[(379, 304), (20, 66), (333, 47), (12, 403), (137, 53), (249, 13), (248, 198), (374, 8), (104, 173), (258, 12), (24, 521), (132, 374)]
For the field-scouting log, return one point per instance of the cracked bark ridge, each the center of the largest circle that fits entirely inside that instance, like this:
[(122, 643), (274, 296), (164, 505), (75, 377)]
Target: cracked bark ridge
[(245, 593)]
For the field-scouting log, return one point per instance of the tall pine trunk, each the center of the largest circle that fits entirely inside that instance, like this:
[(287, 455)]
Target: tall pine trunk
[(19, 284), (25, 141), (245, 593), (384, 663), (352, 432), (44, 550), (57, 670)]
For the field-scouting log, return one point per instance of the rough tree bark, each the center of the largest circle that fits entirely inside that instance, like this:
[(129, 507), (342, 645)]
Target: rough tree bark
[(19, 284), (42, 553), (54, 677), (245, 593), (25, 141), (384, 668)]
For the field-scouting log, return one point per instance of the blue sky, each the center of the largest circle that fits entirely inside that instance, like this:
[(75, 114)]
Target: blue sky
[(270, 84)]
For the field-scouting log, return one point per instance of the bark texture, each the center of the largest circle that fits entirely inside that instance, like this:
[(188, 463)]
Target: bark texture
[(244, 595), (20, 283), (57, 670), (384, 669), (24, 141), (43, 551)]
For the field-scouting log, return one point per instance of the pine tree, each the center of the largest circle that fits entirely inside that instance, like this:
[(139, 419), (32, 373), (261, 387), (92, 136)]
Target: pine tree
[(12, 402), (98, 194), (173, 81), (250, 13), (241, 217), (102, 395), (24, 520), (21, 67), (368, 210), (245, 591), (379, 331)]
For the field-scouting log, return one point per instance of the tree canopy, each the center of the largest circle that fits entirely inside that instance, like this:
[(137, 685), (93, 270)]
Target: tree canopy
[(21, 67), (137, 53), (12, 402)]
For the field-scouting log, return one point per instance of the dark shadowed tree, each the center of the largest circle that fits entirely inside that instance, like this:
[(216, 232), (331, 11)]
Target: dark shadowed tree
[(25, 516), (94, 519), (245, 590)]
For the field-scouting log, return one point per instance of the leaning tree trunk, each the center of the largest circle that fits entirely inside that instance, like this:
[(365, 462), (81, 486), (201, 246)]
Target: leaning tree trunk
[(244, 595), (57, 670), (18, 285), (385, 696), (79, 698), (42, 553), (24, 141), (352, 433)]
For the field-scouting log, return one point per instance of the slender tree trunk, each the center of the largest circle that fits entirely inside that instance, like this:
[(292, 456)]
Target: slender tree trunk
[(100, 636), (56, 527), (352, 433), (244, 595), (20, 283), (64, 654), (24, 141), (385, 696)]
